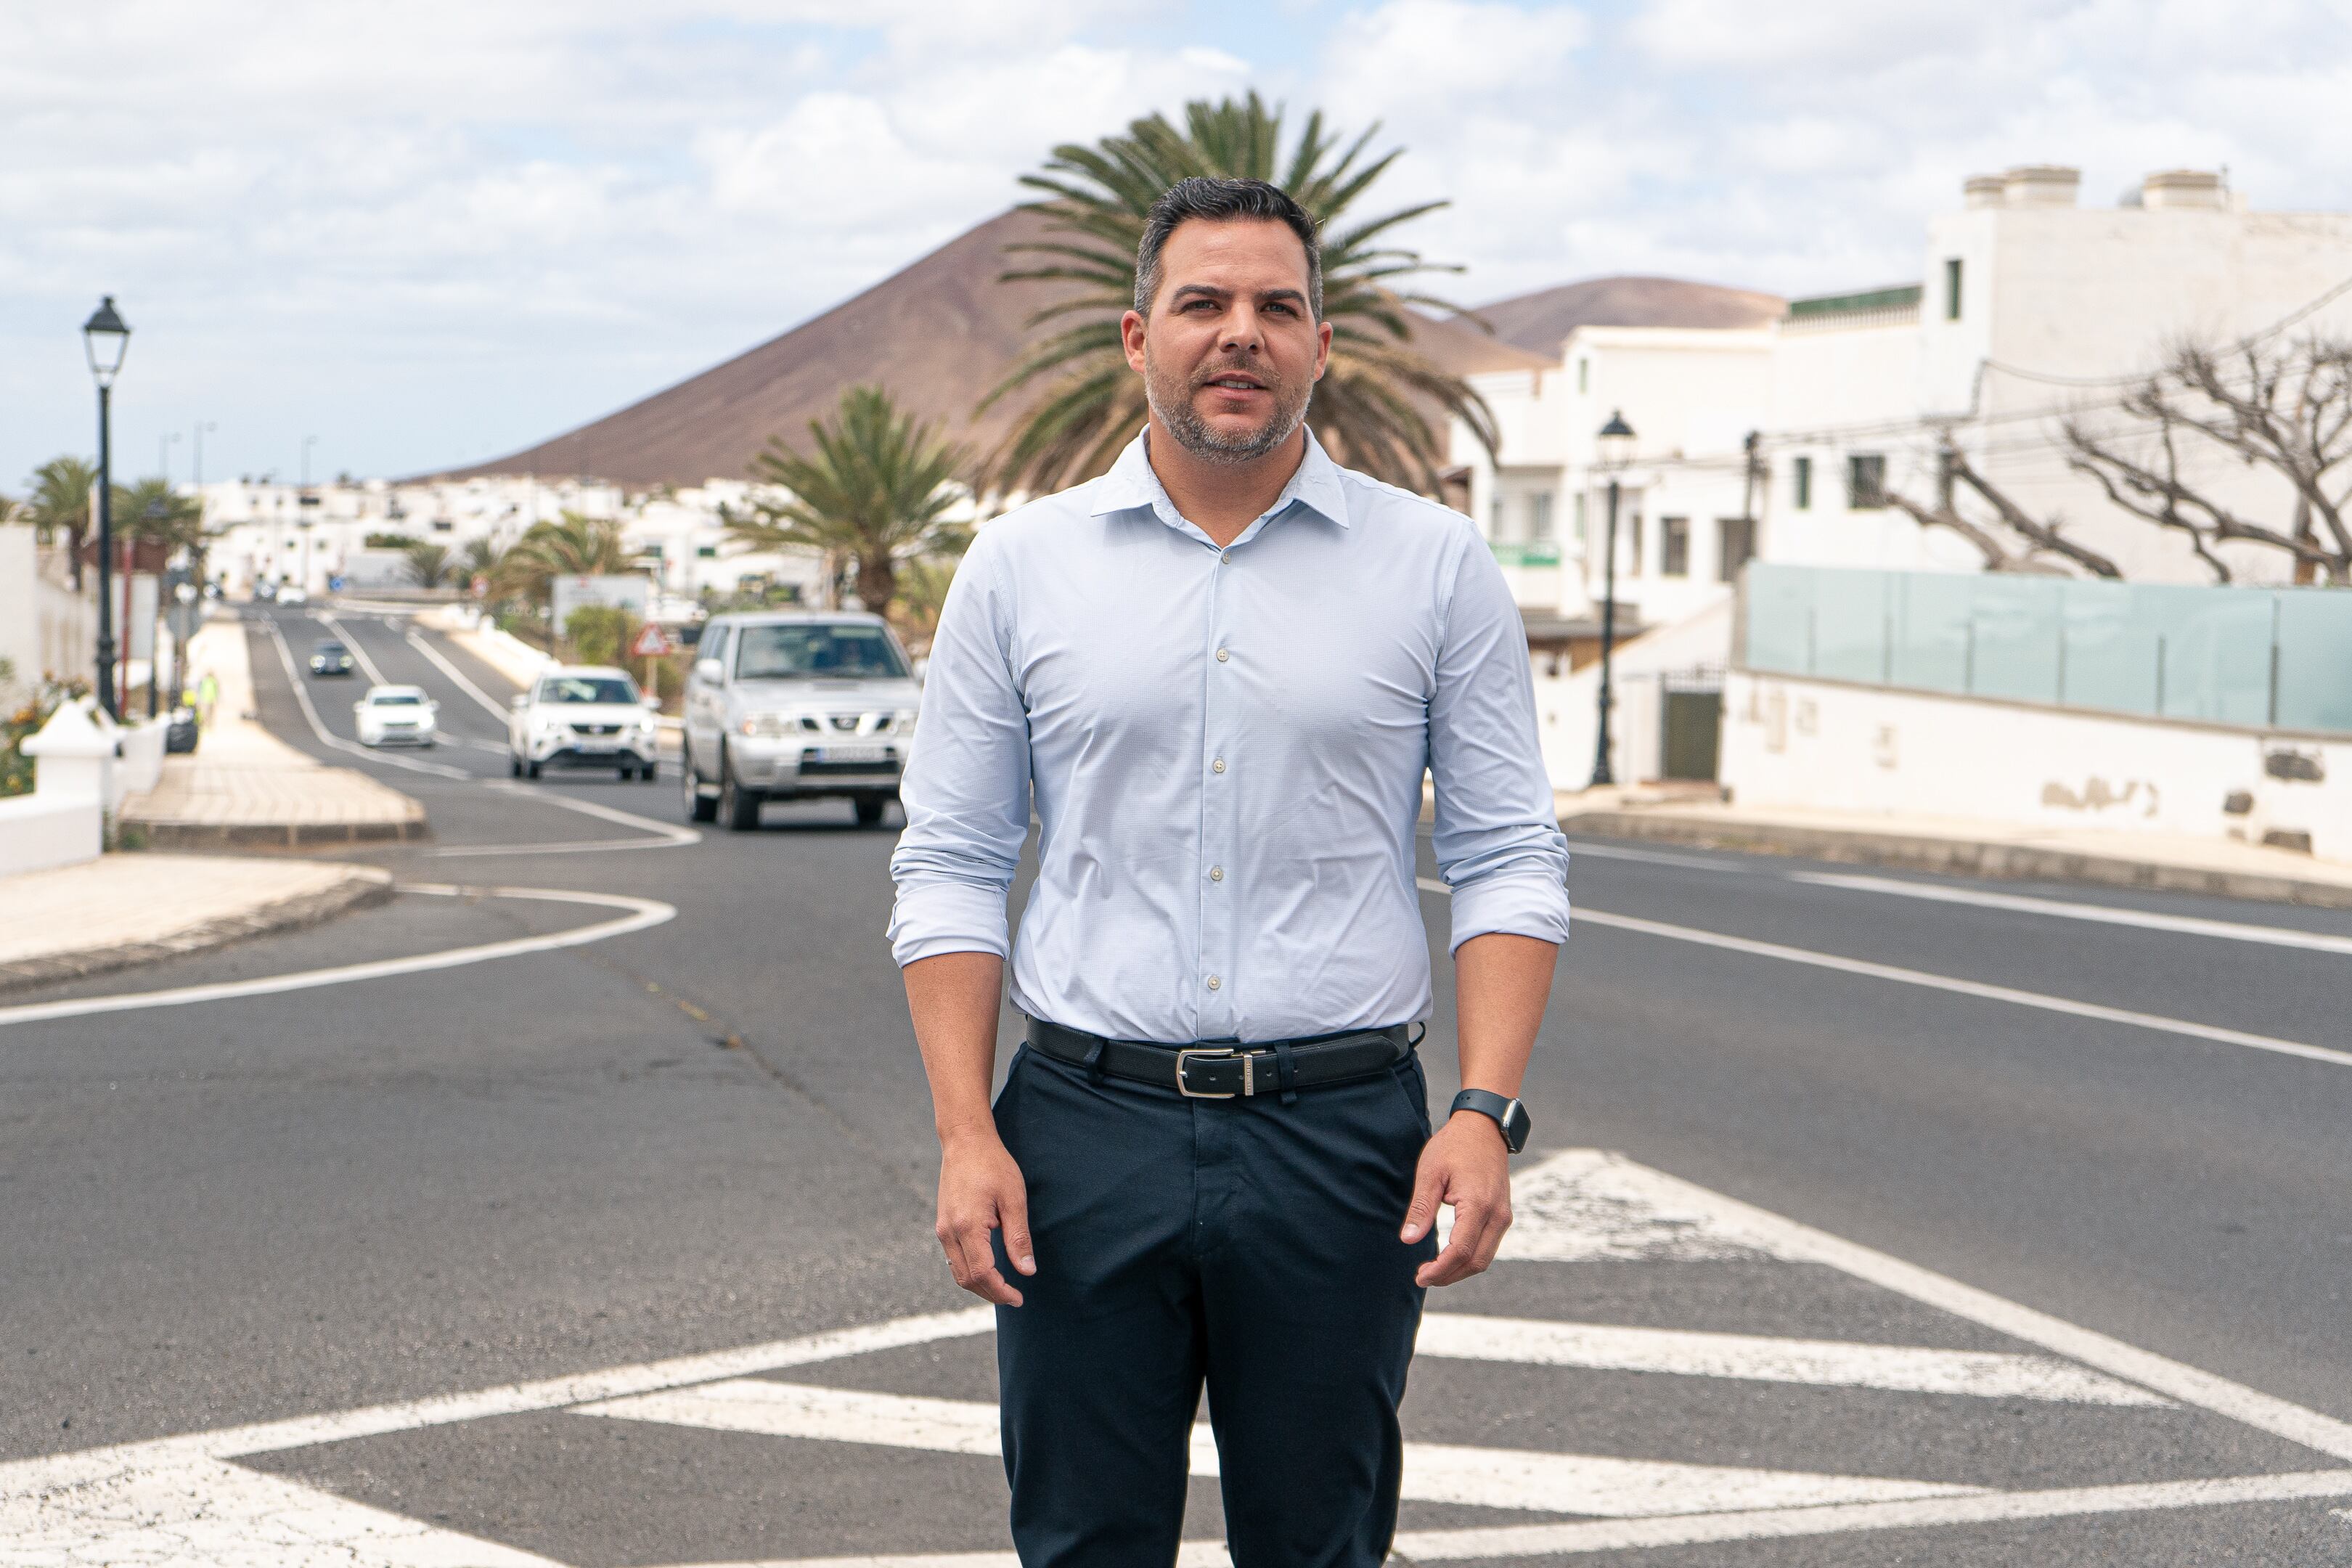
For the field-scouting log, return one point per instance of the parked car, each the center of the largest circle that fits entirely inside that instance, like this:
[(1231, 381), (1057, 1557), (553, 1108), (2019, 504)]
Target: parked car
[(293, 594), (396, 716), (331, 658), (582, 717), (792, 705)]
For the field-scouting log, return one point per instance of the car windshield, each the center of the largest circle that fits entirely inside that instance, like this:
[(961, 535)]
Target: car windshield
[(587, 689), (396, 699), (330, 649), (837, 650)]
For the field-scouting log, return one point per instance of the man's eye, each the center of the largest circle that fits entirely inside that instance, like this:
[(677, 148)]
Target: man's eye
[(1282, 309)]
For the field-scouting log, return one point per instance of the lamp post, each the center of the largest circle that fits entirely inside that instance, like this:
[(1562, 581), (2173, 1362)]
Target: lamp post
[(1616, 442), (104, 337)]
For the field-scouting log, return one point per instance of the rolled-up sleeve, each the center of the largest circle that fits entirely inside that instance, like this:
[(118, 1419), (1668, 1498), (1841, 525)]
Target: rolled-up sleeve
[(966, 788), (1496, 836)]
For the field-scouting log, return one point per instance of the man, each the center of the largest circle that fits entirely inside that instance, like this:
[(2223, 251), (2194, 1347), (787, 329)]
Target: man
[(1219, 671)]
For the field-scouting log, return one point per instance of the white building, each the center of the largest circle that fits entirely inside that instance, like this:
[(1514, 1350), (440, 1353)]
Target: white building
[(2029, 307)]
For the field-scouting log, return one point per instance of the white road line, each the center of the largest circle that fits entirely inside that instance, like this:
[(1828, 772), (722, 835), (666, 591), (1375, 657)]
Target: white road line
[(2105, 914), (1823, 1362), (498, 711), (1920, 977), (1660, 858), (328, 738), (644, 912), (1786, 1238), (666, 834), (327, 619), (1593, 1484)]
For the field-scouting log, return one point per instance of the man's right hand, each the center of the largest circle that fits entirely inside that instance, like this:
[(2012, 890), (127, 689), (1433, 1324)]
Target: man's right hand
[(980, 1190)]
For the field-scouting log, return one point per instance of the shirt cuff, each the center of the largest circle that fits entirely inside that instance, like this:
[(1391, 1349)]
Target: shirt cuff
[(1518, 904), (932, 918)]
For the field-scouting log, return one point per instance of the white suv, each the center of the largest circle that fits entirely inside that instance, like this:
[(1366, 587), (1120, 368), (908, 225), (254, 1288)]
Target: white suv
[(582, 717), (788, 705)]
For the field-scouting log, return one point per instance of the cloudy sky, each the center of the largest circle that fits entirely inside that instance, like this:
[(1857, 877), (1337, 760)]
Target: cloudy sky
[(428, 231)]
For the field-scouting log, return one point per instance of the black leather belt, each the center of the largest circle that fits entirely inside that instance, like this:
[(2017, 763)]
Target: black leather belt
[(1235, 1071)]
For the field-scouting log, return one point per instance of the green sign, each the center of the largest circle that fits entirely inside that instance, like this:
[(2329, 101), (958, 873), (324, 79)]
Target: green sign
[(1543, 553)]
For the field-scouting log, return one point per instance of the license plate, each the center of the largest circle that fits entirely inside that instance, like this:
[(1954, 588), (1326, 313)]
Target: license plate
[(599, 745), (854, 754)]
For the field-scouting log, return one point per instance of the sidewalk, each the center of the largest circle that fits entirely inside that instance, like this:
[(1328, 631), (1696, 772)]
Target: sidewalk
[(1967, 847), (125, 909), (245, 787)]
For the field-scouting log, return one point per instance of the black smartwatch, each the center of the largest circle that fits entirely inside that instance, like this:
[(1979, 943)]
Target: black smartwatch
[(1508, 1114)]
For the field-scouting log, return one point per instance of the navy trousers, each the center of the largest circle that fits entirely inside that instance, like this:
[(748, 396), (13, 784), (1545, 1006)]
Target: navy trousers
[(1243, 1244)]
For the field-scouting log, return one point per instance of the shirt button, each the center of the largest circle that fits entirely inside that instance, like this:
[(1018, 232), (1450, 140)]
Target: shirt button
[(1218, 766), (1222, 655), (1216, 873), (1214, 983)]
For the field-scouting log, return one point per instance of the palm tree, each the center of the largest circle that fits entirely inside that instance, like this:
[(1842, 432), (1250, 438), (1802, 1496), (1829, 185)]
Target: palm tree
[(480, 558), (874, 492), (153, 511), (60, 504), (428, 563), (574, 546), (1369, 407)]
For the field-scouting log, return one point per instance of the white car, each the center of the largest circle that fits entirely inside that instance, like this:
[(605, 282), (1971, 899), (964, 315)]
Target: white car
[(292, 594), (396, 716), (586, 715)]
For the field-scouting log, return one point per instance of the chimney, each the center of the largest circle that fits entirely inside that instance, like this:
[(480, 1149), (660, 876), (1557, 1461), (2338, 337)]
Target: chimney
[(2040, 186), (1984, 190), (2184, 188)]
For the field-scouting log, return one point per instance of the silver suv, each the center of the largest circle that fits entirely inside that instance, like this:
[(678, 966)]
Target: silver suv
[(794, 704)]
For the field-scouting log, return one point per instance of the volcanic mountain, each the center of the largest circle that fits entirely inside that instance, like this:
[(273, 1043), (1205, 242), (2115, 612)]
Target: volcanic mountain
[(938, 335), (1537, 321)]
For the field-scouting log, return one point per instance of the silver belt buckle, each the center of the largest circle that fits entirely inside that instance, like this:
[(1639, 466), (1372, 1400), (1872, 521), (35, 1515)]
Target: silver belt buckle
[(1249, 1072)]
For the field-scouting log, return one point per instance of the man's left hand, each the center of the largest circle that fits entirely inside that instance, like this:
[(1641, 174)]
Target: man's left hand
[(1467, 1166)]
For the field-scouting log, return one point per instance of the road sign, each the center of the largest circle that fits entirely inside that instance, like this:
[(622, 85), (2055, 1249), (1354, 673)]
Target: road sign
[(651, 642)]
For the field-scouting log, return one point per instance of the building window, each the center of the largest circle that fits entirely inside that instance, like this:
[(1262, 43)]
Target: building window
[(1580, 517), (1865, 481), (1952, 288), (1673, 547), (1585, 376), (1736, 546), (1540, 517), (1802, 476), (1495, 519), (1634, 534)]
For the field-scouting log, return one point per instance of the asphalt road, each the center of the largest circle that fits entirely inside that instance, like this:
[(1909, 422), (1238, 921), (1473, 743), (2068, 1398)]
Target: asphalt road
[(711, 1134)]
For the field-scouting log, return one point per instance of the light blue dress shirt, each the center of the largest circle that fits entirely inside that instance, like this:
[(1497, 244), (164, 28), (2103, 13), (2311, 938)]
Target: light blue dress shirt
[(1226, 750)]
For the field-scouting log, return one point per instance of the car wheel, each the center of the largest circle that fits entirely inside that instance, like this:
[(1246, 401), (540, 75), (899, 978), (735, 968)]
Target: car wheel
[(650, 772), (531, 769), (738, 807), (869, 810), (699, 807), (514, 766)]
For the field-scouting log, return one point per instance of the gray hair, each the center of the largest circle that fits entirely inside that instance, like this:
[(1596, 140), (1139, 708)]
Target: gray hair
[(1203, 197)]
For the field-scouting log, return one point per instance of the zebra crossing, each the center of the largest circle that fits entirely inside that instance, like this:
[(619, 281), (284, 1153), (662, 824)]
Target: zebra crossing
[(1650, 1364)]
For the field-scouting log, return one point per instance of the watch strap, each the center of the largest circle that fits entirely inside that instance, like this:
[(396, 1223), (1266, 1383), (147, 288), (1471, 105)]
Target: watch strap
[(1507, 1114)]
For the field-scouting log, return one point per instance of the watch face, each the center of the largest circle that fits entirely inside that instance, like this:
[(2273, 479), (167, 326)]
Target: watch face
[(1516, 1125)]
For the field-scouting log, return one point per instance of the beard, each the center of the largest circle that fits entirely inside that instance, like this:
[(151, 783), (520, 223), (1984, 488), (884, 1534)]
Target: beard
[(1170, 394)]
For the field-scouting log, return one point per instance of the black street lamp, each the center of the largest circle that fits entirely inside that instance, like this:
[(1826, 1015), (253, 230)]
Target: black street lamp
[(1616, 445), (104, 338)]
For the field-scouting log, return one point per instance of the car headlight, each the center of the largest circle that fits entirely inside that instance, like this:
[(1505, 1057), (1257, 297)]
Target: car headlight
[(902, 723), (767, 724)]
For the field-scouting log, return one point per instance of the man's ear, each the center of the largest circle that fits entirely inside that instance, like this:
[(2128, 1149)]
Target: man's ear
[(1323, 348), (1130, 336)]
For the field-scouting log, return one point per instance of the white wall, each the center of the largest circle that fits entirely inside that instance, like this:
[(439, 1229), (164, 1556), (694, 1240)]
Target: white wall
[(45, 627), (1823, 745), (1567, 707)]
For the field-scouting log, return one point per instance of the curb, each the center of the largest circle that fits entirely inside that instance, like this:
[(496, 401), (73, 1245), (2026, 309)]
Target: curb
[(360, 887), (276, 835), (1956, 856)]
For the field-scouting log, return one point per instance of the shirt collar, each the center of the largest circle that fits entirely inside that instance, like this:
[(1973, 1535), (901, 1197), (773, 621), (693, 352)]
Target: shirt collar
[(1132, 485)]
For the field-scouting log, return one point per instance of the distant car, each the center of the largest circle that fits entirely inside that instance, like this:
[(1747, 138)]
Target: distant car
[(181, 735), (582, 717), (265, 591), (330, 658), (292, 594), (787, 705), (396, 716)]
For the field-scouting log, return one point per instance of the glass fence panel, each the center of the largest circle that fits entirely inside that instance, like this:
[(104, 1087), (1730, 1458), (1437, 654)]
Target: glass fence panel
[(1849, 610), (2215, 660), (1778, 613), (2014, 629), (2314, 665), (2108, 657), (1931, 641)]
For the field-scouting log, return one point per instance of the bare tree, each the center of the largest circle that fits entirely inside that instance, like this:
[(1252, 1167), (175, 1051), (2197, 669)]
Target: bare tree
[(2284, 406), (2000, 554)]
